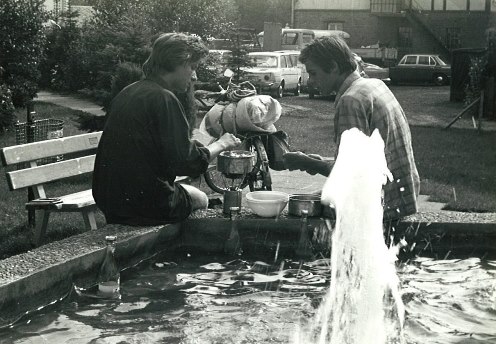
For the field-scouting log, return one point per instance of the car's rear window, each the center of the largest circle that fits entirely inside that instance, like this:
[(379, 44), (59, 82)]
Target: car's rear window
[(264, 60)]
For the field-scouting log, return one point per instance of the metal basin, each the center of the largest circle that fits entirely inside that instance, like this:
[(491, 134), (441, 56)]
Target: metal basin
[(309, 202), (235, 162)]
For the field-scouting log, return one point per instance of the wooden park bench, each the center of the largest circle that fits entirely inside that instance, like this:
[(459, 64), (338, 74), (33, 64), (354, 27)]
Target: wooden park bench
[(35, 175)]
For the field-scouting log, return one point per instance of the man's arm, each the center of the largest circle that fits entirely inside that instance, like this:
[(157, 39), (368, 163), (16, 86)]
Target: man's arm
[(226, 141), (311, 163)]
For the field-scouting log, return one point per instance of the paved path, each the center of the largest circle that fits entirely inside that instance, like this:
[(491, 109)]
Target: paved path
[(286, 181), (70, 102)]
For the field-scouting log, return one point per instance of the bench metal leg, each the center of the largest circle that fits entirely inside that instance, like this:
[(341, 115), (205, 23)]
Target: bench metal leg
[(42, 217), (89, 219)]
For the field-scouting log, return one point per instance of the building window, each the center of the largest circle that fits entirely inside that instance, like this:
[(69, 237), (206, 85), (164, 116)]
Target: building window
[(453, 37), (456, 5), (478, 5), (405, 37), (335, 26), (438, 5), (384, 6)]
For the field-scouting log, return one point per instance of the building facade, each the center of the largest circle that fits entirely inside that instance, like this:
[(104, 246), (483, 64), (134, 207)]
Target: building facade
[(57, 6), (428, 26)]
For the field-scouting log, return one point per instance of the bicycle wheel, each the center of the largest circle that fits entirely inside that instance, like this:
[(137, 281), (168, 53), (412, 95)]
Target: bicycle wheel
[(259, 178), (220, 183)]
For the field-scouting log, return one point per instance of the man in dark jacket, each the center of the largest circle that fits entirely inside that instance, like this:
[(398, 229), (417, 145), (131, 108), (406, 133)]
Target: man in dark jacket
[(146, 142)]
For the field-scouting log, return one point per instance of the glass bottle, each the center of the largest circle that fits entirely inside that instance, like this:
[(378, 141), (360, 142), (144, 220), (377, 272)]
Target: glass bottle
[(109, 275), (304, 249), (233, 243)]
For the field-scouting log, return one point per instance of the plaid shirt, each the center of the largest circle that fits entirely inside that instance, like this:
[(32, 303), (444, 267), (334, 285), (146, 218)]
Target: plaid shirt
[(368, 104)]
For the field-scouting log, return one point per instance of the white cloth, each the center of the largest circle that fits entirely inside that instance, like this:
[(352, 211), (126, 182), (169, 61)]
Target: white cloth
[(254, 114)]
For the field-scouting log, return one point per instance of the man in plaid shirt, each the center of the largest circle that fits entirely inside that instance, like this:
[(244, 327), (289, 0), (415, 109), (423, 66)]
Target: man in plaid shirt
[(366, 104)]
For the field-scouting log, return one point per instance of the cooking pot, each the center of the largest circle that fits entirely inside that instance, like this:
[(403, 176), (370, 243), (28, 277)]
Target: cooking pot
[(235, 162), (309, 202)]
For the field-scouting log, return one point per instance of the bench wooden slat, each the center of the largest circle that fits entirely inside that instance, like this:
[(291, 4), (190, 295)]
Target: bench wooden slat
[(47, 173), (71, 202), (78, 200), (43, 149)]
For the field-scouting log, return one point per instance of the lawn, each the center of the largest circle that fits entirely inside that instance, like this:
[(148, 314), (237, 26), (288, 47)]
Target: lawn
[(456, 166), (13, 216)]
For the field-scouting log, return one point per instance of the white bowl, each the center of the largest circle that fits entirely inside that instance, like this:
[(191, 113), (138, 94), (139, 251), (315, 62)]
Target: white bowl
[(267, 203)]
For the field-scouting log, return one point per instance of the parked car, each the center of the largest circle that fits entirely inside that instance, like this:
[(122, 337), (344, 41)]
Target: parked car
[(374, 71), (274, 72), (218, 62), (367, 70), (304, 74), (416, 68)]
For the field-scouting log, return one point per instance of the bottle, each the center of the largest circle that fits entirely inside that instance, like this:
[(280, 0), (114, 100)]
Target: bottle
[(109, 275), (304, 249), (232, 245)]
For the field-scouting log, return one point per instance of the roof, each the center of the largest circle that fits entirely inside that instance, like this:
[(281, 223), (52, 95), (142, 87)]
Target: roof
[(325, 33), (296, 52), (270, 53)]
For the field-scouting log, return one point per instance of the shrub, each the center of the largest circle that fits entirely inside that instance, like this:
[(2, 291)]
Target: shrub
[(7, 117), (126, 73), (474, 86)]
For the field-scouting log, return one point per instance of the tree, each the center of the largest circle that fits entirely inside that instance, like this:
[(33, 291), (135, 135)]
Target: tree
[(63, 68), (21, 45), (254, 13), (205, 18)]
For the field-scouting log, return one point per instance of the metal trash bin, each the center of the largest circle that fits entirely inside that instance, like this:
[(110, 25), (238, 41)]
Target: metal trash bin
[(40, 130)]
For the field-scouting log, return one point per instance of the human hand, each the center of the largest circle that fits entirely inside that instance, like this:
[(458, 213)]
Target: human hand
[(311, 163), (228, 141), (293, 160)]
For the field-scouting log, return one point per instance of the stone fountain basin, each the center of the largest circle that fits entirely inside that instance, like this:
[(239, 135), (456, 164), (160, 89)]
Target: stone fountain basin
[(47, 273)]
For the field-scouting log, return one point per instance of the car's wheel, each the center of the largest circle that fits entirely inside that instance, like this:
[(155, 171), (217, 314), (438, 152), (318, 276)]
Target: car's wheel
[(280, 91), (440, 79), (298, 88)]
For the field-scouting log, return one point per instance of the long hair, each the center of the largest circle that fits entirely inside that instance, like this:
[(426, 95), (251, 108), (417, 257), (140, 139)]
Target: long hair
[(171, 50), (327, 52)]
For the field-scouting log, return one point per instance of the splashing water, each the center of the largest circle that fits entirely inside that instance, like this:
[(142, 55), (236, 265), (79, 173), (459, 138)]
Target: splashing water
[(363, 304)]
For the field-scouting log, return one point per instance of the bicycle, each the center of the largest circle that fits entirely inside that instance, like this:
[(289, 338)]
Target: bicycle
[(259, 177)]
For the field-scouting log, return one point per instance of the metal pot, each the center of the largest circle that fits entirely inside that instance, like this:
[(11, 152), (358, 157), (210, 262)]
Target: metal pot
[(309, 202), (236, 162)]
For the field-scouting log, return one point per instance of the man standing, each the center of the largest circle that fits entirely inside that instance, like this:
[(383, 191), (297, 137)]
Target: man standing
[(366, 104), (146, 142)]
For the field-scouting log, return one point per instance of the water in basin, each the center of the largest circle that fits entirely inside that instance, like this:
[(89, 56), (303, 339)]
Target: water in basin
[(176, 300)]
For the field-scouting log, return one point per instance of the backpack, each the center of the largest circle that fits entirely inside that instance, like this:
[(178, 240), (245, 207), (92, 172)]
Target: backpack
[(277, 146)]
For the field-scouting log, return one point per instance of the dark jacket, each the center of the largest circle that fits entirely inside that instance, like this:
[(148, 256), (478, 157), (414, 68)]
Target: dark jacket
[(145, 144)]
